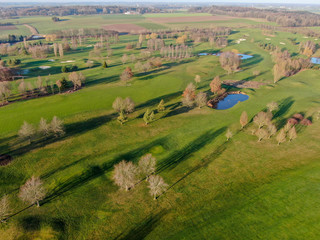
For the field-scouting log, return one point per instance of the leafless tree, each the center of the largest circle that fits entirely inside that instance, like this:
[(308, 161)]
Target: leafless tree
[(261, 134), (125, 175), (261, 119), (124, 59), (272, 106), (61, 51), (32, 191), (44, 127), (56, 127), (26, 132), (147, 165), (243, 119), (229, 134), (281, 137), (4, 208), (229, 61), (271, 129), (292, 134), (157, 186), (197, 79), (76, 79), (201, 99)]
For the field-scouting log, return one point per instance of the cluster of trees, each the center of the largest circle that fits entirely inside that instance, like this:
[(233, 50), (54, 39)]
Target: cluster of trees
[(230, 61), (175, 52), (28, 89), (266, 129), (28, 132), (126, 175), (286, 66), (10, 12), (123, 107), (190, 98), (280, 16), (148, 65), (308, 48)]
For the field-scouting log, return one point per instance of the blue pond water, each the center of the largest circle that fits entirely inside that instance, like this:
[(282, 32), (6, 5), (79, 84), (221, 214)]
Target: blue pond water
[(231, 100), (315, 60), (245, 56)]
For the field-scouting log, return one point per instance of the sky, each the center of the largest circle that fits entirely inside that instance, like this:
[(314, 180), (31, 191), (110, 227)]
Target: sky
[(176, 1)]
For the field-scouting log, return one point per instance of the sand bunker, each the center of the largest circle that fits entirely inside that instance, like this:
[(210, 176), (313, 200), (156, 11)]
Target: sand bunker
[(44, 67)]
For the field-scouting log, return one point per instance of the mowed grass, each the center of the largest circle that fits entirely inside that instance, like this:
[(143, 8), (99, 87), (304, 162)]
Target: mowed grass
[(240, 189)]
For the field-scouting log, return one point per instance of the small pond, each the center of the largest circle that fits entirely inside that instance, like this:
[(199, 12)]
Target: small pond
[(315, 60), (245, 56), (203, 54), (231, 100)]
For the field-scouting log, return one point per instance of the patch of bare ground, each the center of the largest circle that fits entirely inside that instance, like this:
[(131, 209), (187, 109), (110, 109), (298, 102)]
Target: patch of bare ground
[(5, 159), (125, 28), (11, 27), (243, 84), (189, 19)]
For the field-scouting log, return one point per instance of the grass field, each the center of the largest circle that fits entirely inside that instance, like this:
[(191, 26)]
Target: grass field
[(218, 189)]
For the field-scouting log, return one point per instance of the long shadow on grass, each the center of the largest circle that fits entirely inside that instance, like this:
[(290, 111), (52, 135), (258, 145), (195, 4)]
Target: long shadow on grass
[(143, 228), (252, 61), (183, 154), (284, 108), (98, 170)]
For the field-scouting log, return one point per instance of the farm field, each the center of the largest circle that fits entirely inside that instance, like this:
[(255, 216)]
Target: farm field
[(217, 188)]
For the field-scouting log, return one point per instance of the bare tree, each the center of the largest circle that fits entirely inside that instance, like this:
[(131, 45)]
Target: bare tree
[(125, 175), (157, 186), (189, 95), (55, 49), (197, 79), (44, 127), (287, 127), (161, 106), (4, 208), (215, 85), (76, 79), (129, 105), (243, 119), (229, 134), (261, 134), (292, 134), (271, 129), (201, 99), (61, 51), (32, 191), (124, 59), (261, 119), (26, 132), (272, 106), (56, 127), (147, 165), (229, 61), (281, 137)]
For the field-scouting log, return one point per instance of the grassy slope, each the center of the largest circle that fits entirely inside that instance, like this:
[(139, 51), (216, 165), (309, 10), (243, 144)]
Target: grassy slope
[(236, 190)]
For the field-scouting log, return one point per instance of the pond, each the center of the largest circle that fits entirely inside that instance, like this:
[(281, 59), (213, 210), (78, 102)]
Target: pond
[(245, 56), (231, 100), (315, 60)]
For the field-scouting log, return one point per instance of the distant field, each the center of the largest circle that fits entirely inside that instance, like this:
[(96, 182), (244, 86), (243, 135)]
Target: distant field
[(166, 15)]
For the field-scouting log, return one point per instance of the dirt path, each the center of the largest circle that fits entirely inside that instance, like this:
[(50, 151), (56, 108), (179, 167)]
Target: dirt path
[(32, 29)]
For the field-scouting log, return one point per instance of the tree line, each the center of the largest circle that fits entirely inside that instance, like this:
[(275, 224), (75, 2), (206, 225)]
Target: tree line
[(280, 16)]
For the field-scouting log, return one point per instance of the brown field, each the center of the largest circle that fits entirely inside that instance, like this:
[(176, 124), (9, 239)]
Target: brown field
[(125, 27), (3, 28), (189, 19)]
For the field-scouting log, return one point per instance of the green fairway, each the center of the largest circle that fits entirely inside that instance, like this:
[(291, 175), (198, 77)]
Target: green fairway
[(237, 189)]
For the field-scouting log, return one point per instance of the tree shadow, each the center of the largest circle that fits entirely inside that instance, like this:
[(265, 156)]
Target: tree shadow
[(251, 61), (30, 223), (284, 107), (143, 228), (96, 171), (183, 154)]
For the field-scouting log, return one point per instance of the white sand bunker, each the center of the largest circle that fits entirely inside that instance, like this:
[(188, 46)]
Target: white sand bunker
[(51, 60), (268, 38), (89, 46), (44, 67), (282, 43), (69, 61)]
